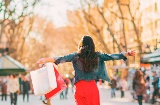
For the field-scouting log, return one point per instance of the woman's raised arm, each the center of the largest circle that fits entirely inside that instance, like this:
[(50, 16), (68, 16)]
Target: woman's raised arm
[(57, 60), (123, 55)]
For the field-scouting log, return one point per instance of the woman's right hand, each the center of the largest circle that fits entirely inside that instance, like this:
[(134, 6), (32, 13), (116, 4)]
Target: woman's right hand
[(41, 61)]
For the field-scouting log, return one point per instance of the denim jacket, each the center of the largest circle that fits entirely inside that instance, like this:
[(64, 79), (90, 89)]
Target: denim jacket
[(99, 73)]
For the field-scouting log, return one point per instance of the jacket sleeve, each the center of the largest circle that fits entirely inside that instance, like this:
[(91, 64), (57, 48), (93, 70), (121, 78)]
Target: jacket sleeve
[(107, 57), (66, 58)]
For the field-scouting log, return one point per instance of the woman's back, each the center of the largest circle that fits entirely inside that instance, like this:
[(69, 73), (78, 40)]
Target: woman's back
[(96, 73)]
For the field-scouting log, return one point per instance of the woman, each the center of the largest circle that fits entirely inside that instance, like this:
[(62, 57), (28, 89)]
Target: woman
[(89, 66), (139, 85), (13, 88)]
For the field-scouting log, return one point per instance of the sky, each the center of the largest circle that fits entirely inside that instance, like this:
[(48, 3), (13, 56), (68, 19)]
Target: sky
[(56, 10)]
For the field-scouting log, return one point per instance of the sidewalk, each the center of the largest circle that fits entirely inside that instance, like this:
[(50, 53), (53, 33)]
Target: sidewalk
[(104, 98)]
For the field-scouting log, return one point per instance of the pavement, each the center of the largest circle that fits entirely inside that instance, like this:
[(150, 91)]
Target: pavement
[(104, 98)]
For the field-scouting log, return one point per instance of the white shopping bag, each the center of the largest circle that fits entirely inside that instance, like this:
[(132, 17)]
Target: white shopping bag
[(44, 79)]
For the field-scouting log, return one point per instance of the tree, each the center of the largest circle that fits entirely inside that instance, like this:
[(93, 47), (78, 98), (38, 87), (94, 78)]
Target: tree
[(14, 12), (101, 19), (16, 25), (120, 19)]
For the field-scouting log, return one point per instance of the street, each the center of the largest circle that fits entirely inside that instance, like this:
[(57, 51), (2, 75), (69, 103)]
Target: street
[(104, 96)]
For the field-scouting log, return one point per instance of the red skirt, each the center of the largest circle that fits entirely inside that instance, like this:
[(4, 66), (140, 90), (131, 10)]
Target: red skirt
[(86, 93)]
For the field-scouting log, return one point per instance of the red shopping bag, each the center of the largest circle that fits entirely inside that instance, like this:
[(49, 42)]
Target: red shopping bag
[(60, 86)]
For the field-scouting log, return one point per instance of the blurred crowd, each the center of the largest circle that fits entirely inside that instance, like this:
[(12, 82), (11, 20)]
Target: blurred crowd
[(13, 85), (143, 84)]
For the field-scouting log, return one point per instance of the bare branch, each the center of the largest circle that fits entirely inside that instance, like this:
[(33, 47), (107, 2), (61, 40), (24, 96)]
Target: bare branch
[(90, 20), (123, 24), (135, 28), (120, 17), (124, 4), (138, 7), (108, 28)]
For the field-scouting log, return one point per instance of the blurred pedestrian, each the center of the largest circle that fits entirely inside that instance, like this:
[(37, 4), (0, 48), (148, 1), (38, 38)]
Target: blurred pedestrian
[(67, 81), (113, 87), (25, 87), (123, 86), (155, 86), (62, 95), (139, 85), (72, 83), (88, 66), (117, 78), (4, 91), (147, 89), (13, 88)]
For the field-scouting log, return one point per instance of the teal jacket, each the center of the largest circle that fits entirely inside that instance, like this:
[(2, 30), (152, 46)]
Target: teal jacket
[(99, 73)]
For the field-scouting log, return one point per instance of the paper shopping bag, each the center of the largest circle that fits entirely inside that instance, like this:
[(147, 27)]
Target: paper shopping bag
[(60, 86), (44, 79)]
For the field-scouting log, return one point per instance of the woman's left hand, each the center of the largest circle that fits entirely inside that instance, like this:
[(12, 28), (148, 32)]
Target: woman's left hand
[(131, 53)]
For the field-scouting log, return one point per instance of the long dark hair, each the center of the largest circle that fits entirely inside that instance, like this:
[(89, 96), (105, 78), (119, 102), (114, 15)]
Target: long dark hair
[(139, 78), (87, 54)]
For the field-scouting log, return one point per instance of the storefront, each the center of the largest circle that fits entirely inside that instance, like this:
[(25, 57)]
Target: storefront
[(8, 66), (153, 58)]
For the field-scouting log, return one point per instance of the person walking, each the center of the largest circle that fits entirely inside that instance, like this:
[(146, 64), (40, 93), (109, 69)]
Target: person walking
[(139, 85), (147, 98), (113, 87), (67, 81), (13, 88), (123, 86), (4, 91), (26, 87), (88, 66), (155, 86)]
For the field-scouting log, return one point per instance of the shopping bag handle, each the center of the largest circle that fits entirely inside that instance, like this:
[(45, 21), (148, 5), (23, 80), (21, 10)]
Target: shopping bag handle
[(39, 66)]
